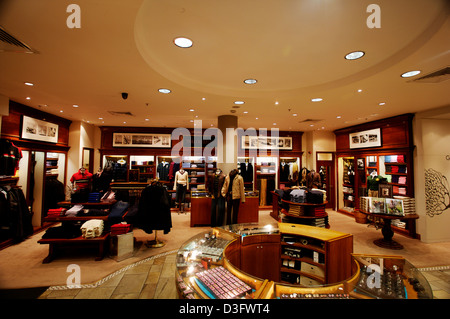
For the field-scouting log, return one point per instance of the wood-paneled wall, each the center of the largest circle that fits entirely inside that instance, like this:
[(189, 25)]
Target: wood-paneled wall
[(396, 133), (12, 126)]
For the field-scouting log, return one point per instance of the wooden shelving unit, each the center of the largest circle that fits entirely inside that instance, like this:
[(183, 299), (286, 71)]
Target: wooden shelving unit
[(313, 256)]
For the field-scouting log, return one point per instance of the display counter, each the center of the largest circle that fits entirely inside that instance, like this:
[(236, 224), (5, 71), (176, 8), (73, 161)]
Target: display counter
[(201, 209), (215, 265)]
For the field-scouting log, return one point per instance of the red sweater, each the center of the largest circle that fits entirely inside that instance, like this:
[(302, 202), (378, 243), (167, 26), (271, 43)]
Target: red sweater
[(82, 180)]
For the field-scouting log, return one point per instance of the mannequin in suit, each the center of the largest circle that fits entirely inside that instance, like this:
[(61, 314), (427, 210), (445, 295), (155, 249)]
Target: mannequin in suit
[(215, 184), (233, 191)]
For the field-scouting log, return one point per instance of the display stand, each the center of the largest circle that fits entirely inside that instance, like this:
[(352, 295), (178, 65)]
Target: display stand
[(156, 243)]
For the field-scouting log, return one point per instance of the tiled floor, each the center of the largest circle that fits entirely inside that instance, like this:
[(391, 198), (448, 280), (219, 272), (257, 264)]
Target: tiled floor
[(151, 279), (439, 280), (155, 279)]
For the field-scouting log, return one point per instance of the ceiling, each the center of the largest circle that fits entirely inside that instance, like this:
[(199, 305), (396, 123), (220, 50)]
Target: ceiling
[(295, 49)]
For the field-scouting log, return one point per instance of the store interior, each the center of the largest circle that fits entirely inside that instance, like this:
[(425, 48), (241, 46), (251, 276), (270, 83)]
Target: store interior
[(120, 169)]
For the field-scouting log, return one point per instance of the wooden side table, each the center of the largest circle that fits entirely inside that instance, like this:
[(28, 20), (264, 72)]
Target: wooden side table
[(388, 233)]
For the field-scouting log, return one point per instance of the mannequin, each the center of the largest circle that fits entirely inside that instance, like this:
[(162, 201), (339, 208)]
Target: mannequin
[(215, 184), (304, 173), (233, 191), (373, 180), (81, 186), (181, 185), (81, 179)]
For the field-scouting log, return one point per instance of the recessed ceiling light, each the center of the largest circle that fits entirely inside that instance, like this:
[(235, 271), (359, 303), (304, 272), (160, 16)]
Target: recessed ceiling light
[(274, 123), (183, 42), (100, 118), (75, 105), (382, 103), (28, 98), (359, 91), (147, 119), (354, 55), (316, 99), (276, 103), (61, 111), (295, 114), (250, 81), (245, 112), (410, 74), (191, 121), (239, 102), (203, 98), (29, 83), (338, 117), (256, 118), (191, 110), (165, 91)]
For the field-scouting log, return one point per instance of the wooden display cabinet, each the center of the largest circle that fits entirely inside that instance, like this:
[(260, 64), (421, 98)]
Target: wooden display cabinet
[(319, 256), (260, 256)]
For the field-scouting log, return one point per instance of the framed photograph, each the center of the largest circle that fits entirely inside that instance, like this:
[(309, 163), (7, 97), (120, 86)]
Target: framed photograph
[(142, 140), (370, 138), (266, 143), (38, 130), (385, 190)]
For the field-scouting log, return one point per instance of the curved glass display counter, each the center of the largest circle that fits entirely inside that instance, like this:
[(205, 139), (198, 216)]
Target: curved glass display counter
[(211, 265)]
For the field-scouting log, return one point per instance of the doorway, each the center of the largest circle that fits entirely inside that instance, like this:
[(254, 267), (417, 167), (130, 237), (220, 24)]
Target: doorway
[(325, 166)]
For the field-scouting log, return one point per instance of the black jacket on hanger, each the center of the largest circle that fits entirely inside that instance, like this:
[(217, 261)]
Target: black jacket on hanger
[(246, 172), (154, 209), (15, 217)]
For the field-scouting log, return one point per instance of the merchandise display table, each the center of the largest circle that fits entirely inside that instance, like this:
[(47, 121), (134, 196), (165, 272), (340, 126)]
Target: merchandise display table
[(388, 233), (101, 242), (210, 266)]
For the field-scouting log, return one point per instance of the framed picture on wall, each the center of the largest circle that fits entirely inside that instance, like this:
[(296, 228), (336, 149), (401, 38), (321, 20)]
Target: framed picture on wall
[(370, 138), (266, 143), (142, 140), (34, 129)]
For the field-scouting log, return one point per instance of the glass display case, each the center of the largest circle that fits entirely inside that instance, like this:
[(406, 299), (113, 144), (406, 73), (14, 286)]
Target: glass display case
[(201, 253), (390, 277), (208, 266)]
